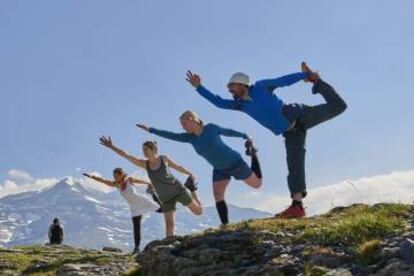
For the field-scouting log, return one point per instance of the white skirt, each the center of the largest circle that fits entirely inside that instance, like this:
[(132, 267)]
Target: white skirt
[(139, 204)]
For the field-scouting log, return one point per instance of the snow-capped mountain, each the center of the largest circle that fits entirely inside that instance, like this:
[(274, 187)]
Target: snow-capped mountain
[(91, 218)]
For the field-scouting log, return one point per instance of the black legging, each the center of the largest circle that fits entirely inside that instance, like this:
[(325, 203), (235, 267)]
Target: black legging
[(136, 221)]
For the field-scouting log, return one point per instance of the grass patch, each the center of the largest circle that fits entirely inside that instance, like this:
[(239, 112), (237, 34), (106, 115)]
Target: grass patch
[(367, 252), (312, 270), (358, 225), (46, 260), (14, 260), (349, 226), (134, 271), (53, 266)]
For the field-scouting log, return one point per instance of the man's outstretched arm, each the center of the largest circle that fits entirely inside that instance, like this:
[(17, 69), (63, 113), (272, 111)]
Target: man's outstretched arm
[(283, 81), (218, 101)]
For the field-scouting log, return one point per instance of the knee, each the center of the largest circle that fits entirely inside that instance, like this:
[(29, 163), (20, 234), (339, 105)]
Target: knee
[(258, 183), (339, 107), (218, 195), (342, 106)]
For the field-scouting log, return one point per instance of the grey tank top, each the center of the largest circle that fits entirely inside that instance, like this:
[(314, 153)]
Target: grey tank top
[(165, 184)]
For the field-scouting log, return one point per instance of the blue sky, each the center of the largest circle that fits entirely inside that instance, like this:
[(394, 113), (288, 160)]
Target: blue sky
[(71, 71)]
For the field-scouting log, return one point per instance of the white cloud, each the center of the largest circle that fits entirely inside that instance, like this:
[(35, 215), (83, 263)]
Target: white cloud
[(393, 187), (397, 187), (20, 181), (8, 184), (19, 175)]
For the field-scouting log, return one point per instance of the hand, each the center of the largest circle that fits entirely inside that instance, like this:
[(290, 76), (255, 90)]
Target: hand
[(106, 141), (87, 175), (193, 79), (314, 77), (150, 190), (144, 127)]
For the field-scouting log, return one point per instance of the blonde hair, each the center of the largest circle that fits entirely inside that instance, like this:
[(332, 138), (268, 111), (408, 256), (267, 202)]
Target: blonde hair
[(191, 115)]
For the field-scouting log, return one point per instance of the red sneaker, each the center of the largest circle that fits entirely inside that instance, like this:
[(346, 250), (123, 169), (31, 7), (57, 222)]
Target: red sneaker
[(292, 211)]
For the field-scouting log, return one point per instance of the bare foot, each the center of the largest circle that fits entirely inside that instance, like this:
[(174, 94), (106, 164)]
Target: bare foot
[(313, 77)]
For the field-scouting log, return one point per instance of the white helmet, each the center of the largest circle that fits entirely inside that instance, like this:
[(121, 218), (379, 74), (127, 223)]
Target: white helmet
[(240, 78)]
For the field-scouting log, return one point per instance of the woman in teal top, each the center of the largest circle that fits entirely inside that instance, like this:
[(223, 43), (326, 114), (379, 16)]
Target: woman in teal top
[(227, 163)]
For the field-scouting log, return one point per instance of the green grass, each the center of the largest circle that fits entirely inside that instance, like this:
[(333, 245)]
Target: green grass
[(53, 266), (26, 257), (367, 252), (360, 227), (14, 260), (134, 271), (357, 225), (349, 226), (312, 270)]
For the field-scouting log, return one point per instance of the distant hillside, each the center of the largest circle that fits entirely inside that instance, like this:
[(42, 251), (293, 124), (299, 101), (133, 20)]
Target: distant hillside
[(92, 219), (355, 240)]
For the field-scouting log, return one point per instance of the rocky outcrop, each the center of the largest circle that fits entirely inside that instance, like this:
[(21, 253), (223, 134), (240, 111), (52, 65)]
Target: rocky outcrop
[(357, 240), (292, 248)]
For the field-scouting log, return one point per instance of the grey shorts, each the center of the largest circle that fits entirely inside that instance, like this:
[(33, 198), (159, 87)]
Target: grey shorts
[(183, 197)]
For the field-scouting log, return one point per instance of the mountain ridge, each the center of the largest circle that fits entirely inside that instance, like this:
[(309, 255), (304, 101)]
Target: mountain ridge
[(86, 212)]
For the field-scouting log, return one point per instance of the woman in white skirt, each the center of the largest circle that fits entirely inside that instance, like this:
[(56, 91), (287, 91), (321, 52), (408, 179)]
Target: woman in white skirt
[(139, 204)]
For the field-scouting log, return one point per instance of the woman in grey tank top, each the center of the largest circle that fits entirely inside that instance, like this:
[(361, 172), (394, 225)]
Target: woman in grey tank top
[(168, 188)]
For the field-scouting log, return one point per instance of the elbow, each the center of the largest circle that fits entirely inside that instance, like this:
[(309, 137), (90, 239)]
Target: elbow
[(222, 106)]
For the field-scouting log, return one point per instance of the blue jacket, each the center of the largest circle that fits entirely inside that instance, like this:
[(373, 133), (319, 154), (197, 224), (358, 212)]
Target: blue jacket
[(209, 144), (263, 105)]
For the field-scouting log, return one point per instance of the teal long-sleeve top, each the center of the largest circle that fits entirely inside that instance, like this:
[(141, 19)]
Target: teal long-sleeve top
[(209, 144), (262, 105)]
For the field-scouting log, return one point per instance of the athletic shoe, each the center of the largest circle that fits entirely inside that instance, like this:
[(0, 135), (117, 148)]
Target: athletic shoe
[(136, 250), (223, 226), (250, 149), (293, 211), (189, 184)]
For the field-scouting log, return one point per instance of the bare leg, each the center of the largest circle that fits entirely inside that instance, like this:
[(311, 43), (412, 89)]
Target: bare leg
[(219, 189), (195, 208), (196, 198), (169, 223), (253, 181)]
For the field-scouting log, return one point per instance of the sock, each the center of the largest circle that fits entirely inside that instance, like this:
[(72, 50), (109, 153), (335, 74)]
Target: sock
[(136, 221), (222, 211), (297, 203), (256, 166)]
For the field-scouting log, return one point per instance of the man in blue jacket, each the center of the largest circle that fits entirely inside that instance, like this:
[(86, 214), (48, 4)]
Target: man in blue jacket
[(291, 120)]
